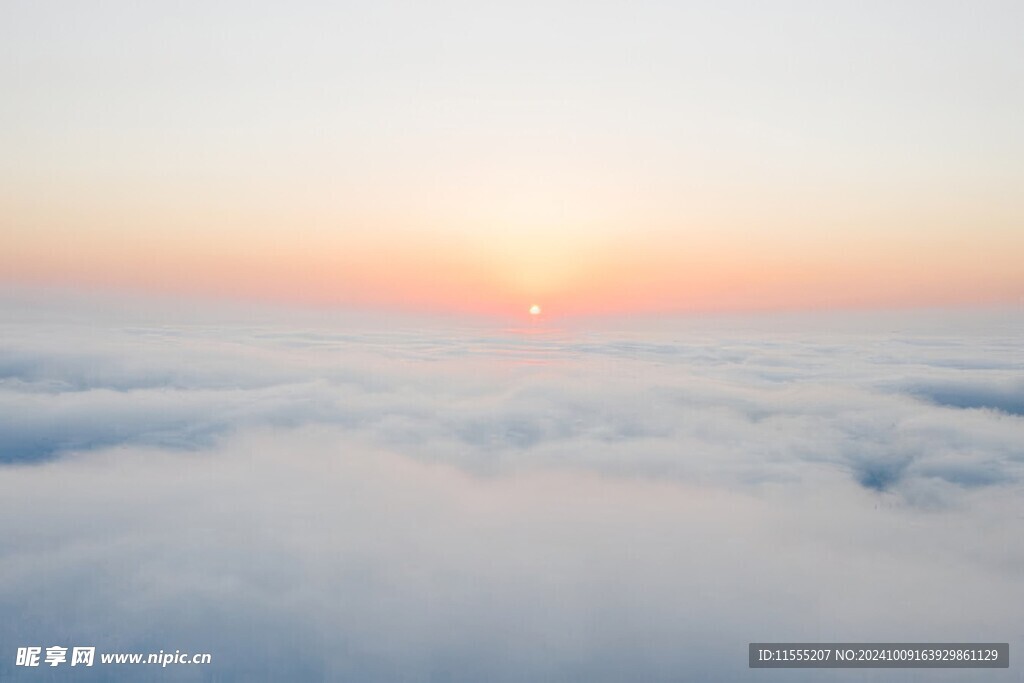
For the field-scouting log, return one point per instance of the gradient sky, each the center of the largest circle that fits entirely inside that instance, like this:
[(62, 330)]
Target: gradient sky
[(591, 157)]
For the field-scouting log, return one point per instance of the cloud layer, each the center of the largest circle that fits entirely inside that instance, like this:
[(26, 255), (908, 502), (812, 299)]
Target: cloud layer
[(458, 503)]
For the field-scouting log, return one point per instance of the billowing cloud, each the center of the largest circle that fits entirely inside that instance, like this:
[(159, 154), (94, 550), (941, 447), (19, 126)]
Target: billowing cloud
[(456, 503)]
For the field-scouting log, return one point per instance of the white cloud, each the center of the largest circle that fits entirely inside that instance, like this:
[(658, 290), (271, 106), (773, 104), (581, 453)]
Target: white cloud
[(421, 505)]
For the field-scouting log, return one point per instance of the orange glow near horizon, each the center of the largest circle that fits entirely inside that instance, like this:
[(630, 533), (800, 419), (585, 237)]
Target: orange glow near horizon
[(478, 252), (443, 275)]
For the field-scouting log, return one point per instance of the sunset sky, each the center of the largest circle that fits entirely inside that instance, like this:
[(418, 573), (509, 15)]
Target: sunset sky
[(461, 156)]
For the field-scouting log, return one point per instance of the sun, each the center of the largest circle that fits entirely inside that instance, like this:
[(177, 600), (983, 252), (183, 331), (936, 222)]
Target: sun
[(535, 310)]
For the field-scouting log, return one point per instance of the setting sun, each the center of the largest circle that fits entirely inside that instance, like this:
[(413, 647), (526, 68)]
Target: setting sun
[(535, 310)]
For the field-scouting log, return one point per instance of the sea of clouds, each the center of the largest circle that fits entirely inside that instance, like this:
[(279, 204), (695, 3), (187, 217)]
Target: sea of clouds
[(330, 497)]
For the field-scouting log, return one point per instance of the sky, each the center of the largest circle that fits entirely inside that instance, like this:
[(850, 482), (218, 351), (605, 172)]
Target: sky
[(592, 158), (326, 500)]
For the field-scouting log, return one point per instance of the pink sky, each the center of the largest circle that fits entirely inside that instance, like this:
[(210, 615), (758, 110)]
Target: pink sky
[(665, 158)]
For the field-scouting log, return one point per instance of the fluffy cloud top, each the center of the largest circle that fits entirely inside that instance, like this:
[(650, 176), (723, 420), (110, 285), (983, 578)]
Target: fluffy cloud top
[(454, 503)]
